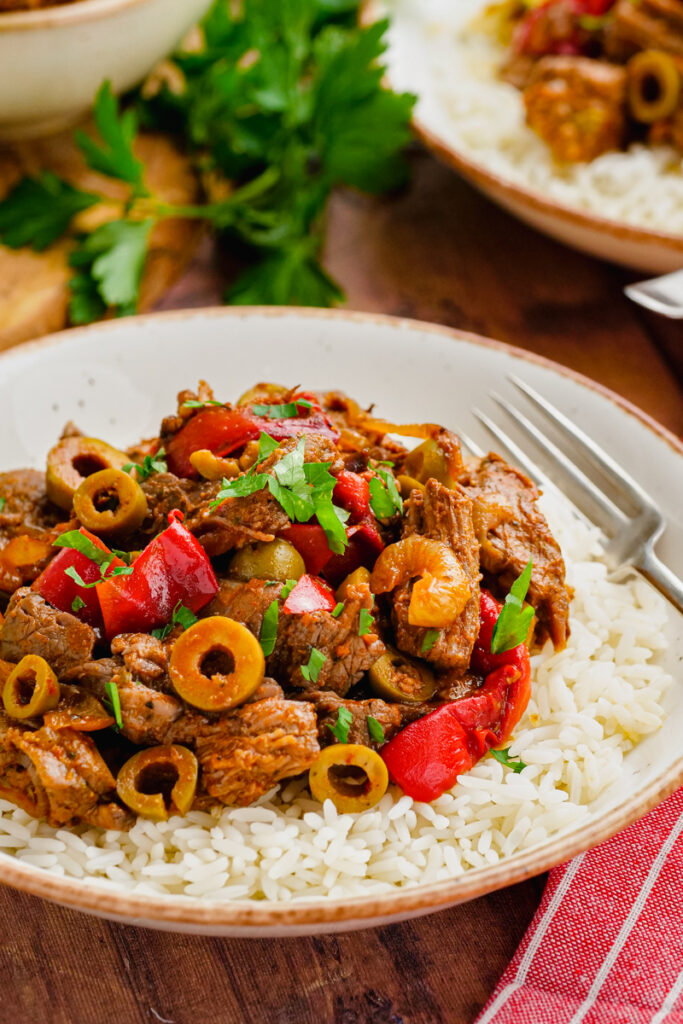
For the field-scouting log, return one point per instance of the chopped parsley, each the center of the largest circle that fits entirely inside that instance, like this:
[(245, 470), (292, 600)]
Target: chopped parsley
[(121, 570), (337, 610), (113, 703), (266, 446), (194, 403), (287, 589), (366, 623), (77, 604), (342, 725), (150, 464), (268, 634), (182, 616), (512, 625), (503, 756), (286, 411), (375, 729), (316, 661), (429, 639), (303, 489), (385, 501), (3, 502), (79, 542)]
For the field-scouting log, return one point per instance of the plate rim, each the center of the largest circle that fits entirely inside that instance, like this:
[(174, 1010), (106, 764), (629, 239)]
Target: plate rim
[(480, 175), (261, 916)]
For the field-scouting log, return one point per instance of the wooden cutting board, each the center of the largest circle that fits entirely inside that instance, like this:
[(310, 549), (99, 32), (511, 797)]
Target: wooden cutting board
[(34, 291)]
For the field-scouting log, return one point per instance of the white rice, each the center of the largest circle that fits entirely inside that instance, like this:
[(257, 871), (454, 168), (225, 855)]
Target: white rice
[(454, 72), (590, 705)]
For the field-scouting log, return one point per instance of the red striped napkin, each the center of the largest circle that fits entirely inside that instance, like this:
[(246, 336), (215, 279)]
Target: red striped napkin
[(606, 944)]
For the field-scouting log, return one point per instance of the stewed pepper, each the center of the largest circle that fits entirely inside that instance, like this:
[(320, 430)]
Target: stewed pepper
[(309, 595), (364, 544), (426, 757), (173, 568), (64, 593)]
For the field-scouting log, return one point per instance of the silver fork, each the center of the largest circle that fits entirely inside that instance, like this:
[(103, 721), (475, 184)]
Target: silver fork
[(632, 537)]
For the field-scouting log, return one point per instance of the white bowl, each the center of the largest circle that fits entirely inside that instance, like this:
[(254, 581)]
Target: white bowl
[(53, 60)]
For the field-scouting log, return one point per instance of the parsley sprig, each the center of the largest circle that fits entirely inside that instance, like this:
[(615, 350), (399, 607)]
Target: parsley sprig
[(503, 756), (341, 727), (181, 616), (316, 661), (512, 625), (149, 465), (286, 100)]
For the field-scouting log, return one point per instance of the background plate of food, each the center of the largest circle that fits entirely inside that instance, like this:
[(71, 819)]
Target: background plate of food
[(598, 744), (566, 113)]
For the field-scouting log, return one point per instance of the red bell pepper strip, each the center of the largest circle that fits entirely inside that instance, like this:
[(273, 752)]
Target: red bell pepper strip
[(173, 568), (223, 430), (61, 590), (309, 595), (426, 757), (352, 492), (309, 539)]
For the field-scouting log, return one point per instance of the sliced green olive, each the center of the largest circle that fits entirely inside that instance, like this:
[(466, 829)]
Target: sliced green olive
[(269, 560), (654, 85), (110, 502), (427, 461), (30, 689), (396, 677), (72, 460), (352, 776), (216, 664), (159, 781), (358, 576)]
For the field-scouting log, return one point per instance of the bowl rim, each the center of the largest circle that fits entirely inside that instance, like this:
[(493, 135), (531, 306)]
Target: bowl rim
[(63, 15), (481, 176), (189, 912)]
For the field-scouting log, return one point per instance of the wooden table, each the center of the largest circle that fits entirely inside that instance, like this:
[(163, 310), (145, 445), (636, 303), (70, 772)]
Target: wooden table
[(437, 252)]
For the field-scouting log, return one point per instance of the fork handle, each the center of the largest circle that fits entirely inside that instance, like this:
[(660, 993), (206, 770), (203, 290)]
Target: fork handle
[(666, 581)]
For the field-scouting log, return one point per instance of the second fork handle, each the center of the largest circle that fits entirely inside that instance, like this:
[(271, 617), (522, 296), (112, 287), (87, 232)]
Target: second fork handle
[(666, 581)]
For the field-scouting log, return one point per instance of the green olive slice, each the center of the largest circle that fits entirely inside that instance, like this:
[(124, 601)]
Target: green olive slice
[(396, 677), (269, 560), (30, 689), (159, 781), (73, 459)]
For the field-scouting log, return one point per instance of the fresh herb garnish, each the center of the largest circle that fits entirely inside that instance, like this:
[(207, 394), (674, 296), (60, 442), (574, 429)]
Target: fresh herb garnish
[(104, 574), (342, 725), (194, 403), (303, 489), (113, 704), (316, 661), (79, 542), (375, 729), (286, 98), (266, 446), (503, 756), (337, 610), (3, 502), (77, 604), (513, 623), (429, 639), (182, 616), (385, 501), (287, 589), (286, 411), (150, 464), (268, 634), (366, 623)]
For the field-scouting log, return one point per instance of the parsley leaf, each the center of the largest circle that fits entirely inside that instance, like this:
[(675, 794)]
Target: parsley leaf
[(110, 262), (77, 604), (266, 446), (375, 729), (113, 704), (150, 464), (77, 541), (286, 411), (287, 589), (104, 575), (503, 756), (429, 639), (3, 502), (385, 500), (366, 622), (316, 661), (115, 156), (268, 635), (182, 616), (513, 623), (342, 725), (194, 403), (337, 610), (39, 210)]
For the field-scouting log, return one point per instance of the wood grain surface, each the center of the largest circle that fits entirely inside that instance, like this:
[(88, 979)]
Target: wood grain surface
[(436, 252)]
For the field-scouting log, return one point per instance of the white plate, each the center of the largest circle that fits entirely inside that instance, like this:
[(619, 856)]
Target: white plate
[(416, 35), (118, 379)]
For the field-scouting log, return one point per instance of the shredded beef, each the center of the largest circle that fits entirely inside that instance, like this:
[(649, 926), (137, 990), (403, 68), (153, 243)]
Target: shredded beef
[(32, 626), (391, 717)]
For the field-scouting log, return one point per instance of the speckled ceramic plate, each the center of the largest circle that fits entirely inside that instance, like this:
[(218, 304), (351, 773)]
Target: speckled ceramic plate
[(410, 66), (118, 379)]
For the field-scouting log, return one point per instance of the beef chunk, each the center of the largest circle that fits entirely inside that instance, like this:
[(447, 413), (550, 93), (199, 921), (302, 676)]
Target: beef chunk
[(244, 602), (513, 530), (32, 626), (26, 503), (93, 675), (445, 515), (165, 492), (58, 774), (647, 25), (237, 522), (145, 657), (391, 717), (577, 106), (77, 709), (347, 655), (246, 752), (150, 717)]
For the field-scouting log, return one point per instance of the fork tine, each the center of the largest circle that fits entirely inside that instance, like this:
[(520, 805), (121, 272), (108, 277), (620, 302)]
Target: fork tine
[(608, 513), (522, 459), (471, 445), (619, 477)]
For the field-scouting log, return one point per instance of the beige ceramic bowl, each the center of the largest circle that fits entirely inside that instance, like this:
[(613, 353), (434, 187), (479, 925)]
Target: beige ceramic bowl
[(53, 60)]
